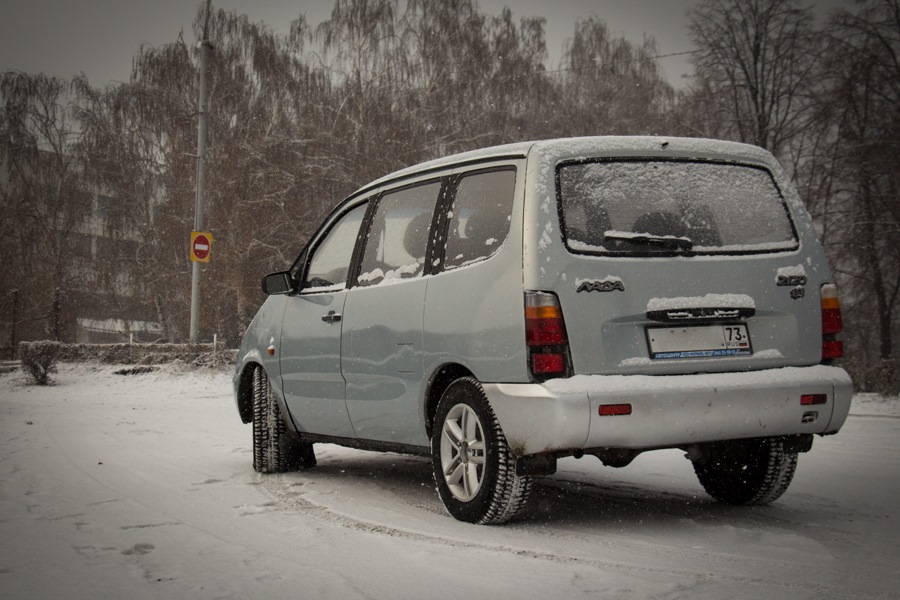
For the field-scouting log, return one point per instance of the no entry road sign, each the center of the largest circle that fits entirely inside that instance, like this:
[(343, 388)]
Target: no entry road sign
[(201, 244)]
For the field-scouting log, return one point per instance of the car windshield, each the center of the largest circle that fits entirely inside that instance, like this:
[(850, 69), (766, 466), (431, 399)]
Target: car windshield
[(672, 207)]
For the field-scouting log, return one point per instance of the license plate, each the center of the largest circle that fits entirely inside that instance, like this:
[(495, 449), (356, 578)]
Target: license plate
[(698, 342)]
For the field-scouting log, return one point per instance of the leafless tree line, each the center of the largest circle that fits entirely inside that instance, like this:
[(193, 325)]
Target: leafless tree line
[(298, 121)]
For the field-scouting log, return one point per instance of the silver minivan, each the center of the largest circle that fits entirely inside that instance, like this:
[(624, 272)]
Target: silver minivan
[(500, 309)]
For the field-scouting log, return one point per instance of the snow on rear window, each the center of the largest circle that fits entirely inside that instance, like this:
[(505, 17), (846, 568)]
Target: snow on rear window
[(661, 207)]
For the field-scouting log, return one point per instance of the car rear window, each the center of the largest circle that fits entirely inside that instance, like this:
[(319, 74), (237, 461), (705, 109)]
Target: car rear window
[(649, 207)]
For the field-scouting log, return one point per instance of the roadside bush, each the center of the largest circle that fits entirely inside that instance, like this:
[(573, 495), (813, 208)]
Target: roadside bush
[(39, 359)]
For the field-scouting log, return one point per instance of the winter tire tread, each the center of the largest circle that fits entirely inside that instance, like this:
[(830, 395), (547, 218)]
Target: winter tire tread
[(749, 472), (275, 449)]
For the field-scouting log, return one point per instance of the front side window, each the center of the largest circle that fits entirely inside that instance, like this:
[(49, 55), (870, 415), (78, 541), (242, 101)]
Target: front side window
[(398, 236), (651, 207), (330, 262), (479, 216)]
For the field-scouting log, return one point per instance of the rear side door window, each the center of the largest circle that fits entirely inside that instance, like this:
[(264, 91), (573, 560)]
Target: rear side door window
[(479, 216), (398, 235)]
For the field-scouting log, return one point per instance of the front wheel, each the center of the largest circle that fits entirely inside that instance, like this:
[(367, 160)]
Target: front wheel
[(749, 472), (473, 467), (275, 449)]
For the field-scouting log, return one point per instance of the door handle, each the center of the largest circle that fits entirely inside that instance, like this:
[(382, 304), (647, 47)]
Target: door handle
[(331, 317)]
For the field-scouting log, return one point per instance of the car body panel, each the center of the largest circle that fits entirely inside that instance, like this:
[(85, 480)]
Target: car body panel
[(382, 361), (263, 332)]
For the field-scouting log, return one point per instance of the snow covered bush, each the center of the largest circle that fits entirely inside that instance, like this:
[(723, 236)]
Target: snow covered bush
[(39, 359)]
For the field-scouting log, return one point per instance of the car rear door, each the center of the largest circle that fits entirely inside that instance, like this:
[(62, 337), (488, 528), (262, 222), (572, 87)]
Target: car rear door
[(679, 266)]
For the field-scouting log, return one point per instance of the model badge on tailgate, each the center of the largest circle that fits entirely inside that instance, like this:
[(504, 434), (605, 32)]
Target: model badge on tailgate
[(608, 284)]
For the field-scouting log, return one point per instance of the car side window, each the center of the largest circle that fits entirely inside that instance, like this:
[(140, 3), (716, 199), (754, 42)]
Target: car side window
[(479, 216), (398, 236), (330, 262)]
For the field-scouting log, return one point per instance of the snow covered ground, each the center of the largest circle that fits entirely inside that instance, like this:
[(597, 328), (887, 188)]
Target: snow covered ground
[(141, 486)]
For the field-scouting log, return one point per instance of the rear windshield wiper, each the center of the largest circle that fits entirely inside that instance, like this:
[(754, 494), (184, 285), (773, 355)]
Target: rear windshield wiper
[(646, 239)]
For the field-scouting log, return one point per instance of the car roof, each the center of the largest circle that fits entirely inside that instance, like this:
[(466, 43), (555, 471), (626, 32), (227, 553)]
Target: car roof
[(571, 148)]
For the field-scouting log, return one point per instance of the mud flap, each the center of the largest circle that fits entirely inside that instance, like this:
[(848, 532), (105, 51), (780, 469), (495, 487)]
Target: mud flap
[(536, 464), (795, 444)]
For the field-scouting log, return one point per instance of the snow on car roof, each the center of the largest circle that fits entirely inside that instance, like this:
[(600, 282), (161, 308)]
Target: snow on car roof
[(651, 146), (566, 148)]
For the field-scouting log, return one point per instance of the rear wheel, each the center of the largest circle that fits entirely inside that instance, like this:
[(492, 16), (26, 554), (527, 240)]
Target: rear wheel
[(275, 449), (749, 472), (473, 467)]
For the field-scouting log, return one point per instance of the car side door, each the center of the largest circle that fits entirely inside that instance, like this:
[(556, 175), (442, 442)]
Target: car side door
[(381, 353), (310, 346)]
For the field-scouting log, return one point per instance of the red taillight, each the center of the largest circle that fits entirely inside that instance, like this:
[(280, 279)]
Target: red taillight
[(831, 310), (545, 336), (832, 349), (544, 364), (832, 323)]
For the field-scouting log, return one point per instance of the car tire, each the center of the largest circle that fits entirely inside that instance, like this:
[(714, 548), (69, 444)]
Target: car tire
[(275, 449), (474, 469), (747, 472)]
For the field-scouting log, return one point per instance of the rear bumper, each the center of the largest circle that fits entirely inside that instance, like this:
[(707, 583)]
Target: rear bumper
[(669, 411)]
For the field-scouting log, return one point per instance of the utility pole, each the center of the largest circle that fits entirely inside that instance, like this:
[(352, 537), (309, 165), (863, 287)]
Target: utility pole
[(56, 314), (15, 318), (205, 46)]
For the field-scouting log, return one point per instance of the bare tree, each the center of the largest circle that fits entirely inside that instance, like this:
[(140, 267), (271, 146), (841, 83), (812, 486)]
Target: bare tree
[(864, 102), (611, 86), (756, 61), (44, 205)]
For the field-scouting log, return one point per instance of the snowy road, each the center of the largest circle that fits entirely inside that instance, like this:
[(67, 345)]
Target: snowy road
[(142, 487)]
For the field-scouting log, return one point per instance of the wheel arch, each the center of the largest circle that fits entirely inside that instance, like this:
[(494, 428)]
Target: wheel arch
[(441, 379), (244, 395)]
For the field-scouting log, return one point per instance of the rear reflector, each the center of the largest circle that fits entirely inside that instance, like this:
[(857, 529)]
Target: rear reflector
[(810, 399), (614, 410)]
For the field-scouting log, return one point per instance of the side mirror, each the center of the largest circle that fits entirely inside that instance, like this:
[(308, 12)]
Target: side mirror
[(278, 283)]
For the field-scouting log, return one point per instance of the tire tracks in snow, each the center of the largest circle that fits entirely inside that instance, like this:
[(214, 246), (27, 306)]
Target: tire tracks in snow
[(277, 488)]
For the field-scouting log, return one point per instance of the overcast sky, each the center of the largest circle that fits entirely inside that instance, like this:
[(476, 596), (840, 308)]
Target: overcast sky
[(99, 37)]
